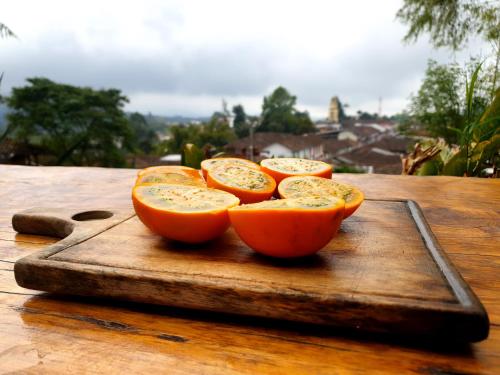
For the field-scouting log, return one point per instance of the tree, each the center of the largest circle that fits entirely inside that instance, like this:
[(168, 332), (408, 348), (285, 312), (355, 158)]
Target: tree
[(452, 23), (215, 133), (179, 136), (301, 123), (470, 127), (72, 125), (223, 114), (362, 115), (145, 137), (478, 148), (240, 123), (439, 104), (277, 110), (279, 114), (5, 32)]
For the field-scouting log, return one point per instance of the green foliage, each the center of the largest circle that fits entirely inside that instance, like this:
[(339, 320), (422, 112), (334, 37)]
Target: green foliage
[(430, 168), (367, 116), (145, 137), (347, 169), (279, 114), (479, 139), (440, 106), (472, 123), (156, 123), (407, 124), (214, 134), (70, 125), (451, 23), (192, 156), (240, 124), (179, 136), (437, 105)]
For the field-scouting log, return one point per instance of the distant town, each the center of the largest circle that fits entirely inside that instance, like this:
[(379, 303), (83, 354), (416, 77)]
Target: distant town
[(361, 144)]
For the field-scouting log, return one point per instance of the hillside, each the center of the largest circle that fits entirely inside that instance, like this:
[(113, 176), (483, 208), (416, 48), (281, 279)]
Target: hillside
[(156, 122)]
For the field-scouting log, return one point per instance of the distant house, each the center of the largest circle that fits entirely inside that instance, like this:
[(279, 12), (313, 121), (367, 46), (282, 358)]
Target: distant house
[(332, 147), (359, 132), (394, 144), (327, 129), (172, 159), (144, 161), (269, 144), (381, 156)]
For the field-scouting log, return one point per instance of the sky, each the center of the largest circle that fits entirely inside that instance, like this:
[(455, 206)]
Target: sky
[(184, 57)]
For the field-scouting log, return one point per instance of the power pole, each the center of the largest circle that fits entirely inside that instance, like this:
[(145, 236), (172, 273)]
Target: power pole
[(380, 107), (251, 141), (253, 124)]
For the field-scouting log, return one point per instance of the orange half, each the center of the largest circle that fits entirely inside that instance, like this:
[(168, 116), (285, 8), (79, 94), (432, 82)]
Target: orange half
[(208, 164), (177, 177), (301, 186), (281, 168), (249, 185), (183, 213), (167, 168), (287, 228)]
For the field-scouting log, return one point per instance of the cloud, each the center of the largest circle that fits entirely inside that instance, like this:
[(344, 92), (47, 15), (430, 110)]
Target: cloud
[(182, 57)]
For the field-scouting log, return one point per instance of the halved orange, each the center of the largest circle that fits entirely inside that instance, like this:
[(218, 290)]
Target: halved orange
[(302, 186), (178, 177), (183, 213), (288, 228), (281, 168), (167, 168), (250, 185), (207, 164)]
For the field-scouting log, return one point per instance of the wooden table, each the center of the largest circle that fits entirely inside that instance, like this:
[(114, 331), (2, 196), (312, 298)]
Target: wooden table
[(43, 334)]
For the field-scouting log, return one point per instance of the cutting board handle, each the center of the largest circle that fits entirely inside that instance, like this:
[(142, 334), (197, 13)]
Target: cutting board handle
[(58, 223)]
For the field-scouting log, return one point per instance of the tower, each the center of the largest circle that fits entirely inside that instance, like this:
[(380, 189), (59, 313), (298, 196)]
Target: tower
[(334, 110)]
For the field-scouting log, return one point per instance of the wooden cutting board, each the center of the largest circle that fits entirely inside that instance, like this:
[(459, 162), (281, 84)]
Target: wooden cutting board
[(384, 272)]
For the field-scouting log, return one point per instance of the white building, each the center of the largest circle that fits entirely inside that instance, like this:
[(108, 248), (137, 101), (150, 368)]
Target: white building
[(279, 145)]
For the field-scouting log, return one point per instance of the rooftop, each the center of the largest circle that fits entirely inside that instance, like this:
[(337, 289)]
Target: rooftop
[(333, 146), (383, 155), (262, 140)]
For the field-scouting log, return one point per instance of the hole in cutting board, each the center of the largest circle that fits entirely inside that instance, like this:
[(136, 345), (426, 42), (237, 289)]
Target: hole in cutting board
[(92, 215)]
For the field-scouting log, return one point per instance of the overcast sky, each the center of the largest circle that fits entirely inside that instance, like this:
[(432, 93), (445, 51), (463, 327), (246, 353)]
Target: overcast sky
[(183, 57)]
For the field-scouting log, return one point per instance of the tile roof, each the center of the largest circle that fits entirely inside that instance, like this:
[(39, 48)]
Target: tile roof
[(394, 144), (361, 131), (383, 155), (333, 146), (265, 139)]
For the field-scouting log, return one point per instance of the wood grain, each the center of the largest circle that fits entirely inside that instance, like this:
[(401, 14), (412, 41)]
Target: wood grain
[(51, 334), (384, 272), (54, 338)]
